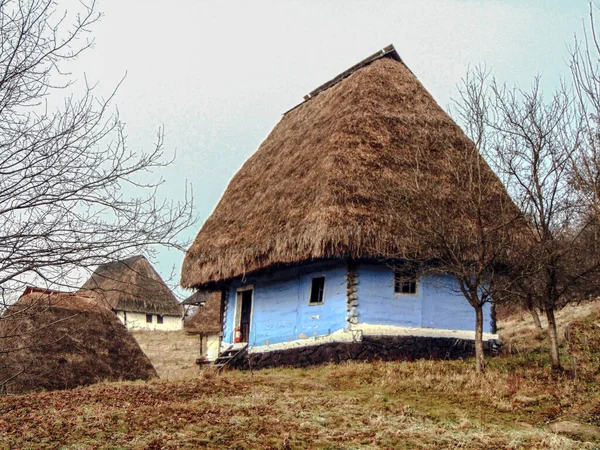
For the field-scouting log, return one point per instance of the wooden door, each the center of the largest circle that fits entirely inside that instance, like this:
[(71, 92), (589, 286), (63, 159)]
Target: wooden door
[(246, 314)]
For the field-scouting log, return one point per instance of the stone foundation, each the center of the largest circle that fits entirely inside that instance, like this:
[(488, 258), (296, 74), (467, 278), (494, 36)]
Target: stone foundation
[(385, 348)]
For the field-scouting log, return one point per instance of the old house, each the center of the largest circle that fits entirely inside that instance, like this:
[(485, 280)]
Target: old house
[(205, 322), (308, 244), (136, 293), (61, 340)]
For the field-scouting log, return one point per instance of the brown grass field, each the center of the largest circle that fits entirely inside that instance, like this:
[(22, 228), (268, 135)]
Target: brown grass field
[(173, 354), (519, 403)]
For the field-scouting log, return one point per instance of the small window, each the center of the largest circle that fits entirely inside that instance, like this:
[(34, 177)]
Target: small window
[(405, 282), (148, 318), (316, 291), (159, 318)]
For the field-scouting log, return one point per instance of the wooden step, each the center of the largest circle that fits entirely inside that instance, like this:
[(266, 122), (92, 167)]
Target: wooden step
[(229, 355)]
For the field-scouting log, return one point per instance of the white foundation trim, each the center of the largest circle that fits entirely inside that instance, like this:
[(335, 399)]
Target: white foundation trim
[(362, 329), (337, 336), (390, 330)]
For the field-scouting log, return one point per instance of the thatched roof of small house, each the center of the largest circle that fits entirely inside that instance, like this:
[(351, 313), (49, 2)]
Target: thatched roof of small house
[(133, 285), (63, 340), (333, 179), (207, 319)]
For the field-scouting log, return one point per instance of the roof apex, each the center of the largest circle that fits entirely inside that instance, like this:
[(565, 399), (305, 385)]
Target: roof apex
[(132, 284), (388, 51)]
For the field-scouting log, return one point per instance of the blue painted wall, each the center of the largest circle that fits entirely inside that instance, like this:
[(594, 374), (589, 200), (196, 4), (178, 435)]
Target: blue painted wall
[(438, 302), (281, 310), (377, 303)]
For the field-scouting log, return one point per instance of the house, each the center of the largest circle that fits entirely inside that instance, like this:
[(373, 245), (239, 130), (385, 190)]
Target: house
[(61, 340), (205, 322), (307, 243), (136, 293)]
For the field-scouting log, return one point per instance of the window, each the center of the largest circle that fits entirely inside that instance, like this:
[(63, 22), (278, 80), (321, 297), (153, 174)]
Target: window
[(405, 282), (159, 318), (316, 291), (148, 318)]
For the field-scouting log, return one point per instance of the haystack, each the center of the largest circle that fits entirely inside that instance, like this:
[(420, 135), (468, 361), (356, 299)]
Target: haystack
[(206, 322), (207, 319), (56, 340), (133, 286), (332, 179)]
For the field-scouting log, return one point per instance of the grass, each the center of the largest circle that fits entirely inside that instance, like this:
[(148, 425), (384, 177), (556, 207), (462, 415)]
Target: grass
[(412, 405), (173, 353), (519, 333), (424, 404)]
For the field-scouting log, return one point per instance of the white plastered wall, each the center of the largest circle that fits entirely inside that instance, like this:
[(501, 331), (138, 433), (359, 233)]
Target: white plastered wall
[(137, 321), (212, 347)]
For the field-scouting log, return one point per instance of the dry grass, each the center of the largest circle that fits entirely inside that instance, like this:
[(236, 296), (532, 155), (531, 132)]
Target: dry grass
[(516, 404), (418, 405), (519, 333), (172, 353)]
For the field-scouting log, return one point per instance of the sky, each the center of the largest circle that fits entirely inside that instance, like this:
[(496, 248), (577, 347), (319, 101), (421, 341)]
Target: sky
[(217, 76)]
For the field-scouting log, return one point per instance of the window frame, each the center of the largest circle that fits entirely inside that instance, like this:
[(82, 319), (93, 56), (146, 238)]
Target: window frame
[(149, 318), (321, 291), (159, 319), (403, 277)]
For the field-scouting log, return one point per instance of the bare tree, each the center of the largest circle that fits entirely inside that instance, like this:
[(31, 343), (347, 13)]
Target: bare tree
[(533, 144), (71, 193), (585, 69), (474, 242)]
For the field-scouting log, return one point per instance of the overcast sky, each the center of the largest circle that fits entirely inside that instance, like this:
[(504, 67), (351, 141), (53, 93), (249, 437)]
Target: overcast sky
[(218, 75)]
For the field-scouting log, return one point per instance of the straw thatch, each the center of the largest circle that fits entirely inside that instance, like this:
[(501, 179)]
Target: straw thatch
[(132, 285), (333, 179), (64, 340), (207, 319)]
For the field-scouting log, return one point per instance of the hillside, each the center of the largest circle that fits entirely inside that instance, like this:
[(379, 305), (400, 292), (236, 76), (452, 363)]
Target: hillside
[(518, 403)]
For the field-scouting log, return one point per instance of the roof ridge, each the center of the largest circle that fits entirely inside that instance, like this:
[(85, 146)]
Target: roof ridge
[(388, 51)]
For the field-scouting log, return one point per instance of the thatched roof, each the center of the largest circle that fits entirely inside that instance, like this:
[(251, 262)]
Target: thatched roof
[(132, 285), (333, 179), (207, 319), (64, 340)]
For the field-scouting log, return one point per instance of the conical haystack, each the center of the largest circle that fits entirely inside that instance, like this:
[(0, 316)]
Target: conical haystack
[(65, 340), (207, 319)]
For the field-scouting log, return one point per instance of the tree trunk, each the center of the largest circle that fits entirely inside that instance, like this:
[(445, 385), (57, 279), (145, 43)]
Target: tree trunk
[(553, 335), (479, 357), (536, 318), (530, 306)]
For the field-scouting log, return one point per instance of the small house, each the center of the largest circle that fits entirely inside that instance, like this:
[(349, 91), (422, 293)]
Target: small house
[(308, 245), (136, 293)]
